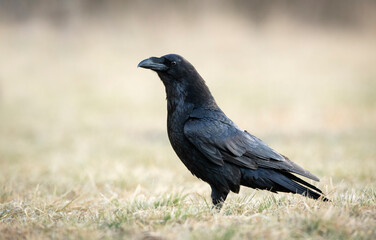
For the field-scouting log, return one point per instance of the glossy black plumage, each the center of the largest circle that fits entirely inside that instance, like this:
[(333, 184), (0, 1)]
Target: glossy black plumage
[(212, 147)]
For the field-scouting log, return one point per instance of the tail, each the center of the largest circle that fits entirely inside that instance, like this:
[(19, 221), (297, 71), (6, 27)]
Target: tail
[(279, 181)]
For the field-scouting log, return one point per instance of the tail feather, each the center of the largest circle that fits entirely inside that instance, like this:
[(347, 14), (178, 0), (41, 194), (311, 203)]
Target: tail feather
[(296, 179), (277, 181)]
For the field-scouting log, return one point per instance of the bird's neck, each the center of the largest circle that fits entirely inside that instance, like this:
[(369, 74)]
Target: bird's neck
[(183, 98), (176, 100)]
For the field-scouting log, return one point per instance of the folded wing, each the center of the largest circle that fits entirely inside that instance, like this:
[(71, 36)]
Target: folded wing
[(220, 140)]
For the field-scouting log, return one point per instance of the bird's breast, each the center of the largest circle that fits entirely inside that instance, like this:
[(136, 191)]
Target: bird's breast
[(176, 118), (175, 129)]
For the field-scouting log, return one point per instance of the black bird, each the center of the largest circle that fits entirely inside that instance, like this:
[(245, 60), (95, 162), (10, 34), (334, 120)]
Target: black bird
[(212, 146)]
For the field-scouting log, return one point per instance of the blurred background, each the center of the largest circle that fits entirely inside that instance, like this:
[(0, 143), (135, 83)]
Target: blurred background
[(76, 113)]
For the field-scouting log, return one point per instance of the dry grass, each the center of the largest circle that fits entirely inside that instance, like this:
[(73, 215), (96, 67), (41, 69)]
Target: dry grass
[(83, 146)]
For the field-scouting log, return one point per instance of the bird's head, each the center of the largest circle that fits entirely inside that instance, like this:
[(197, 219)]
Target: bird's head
[(169, 67), (179, 77)]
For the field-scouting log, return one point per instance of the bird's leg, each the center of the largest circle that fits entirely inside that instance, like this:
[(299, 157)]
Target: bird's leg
[(218, 198)]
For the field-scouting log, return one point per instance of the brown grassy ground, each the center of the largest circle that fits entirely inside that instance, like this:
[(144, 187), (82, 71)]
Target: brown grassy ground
[(83, 146)]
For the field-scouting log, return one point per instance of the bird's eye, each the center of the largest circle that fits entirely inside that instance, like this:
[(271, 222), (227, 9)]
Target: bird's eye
[(173, 63)]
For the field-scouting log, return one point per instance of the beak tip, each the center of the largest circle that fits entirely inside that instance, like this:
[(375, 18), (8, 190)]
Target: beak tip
[(140, 64), (144, 63)]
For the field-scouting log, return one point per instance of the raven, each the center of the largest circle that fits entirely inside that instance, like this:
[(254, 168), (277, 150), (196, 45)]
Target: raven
[(213, 147)]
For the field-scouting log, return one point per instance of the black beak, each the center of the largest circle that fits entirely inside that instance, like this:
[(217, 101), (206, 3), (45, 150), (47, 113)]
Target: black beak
[(153, 63)]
